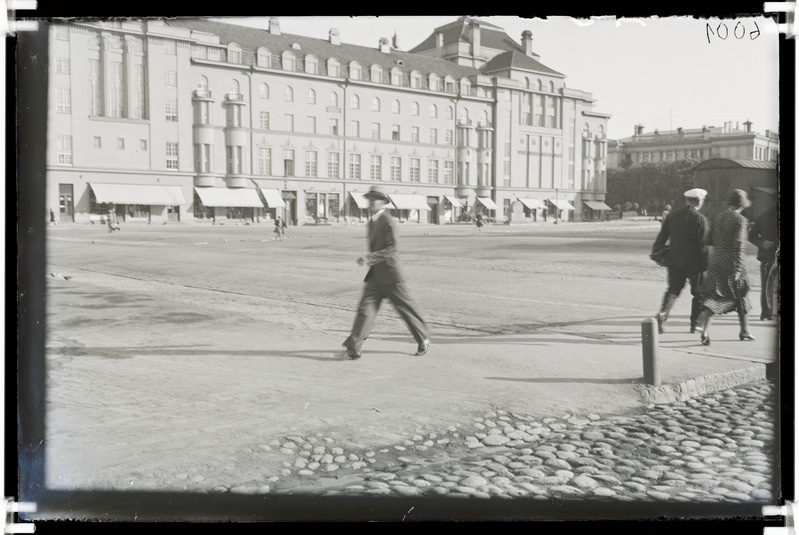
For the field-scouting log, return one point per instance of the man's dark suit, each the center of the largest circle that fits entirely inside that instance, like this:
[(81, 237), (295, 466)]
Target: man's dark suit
[(686, 230), (765, 234), (384, 280)]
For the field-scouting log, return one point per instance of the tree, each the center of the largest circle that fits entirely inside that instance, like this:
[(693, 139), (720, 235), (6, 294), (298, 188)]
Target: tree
[(652, 185)]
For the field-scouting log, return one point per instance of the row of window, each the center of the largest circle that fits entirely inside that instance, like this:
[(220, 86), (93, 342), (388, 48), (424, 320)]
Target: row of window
[(64, 149)]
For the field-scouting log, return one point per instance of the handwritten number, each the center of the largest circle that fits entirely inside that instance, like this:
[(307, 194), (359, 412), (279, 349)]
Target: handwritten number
[(735, 30), (757, 29), (726, 31), (709, 31)]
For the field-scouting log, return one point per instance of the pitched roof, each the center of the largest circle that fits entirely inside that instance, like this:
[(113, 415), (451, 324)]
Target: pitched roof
[(252, 38), (513, 59), (726, 163), (491, 36)]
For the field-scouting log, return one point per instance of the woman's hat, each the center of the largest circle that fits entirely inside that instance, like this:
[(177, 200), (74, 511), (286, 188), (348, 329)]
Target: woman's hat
[(739, 199), (376, 192)]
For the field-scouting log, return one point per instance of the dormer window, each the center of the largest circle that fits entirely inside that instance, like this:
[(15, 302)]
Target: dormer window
[(234, 53)]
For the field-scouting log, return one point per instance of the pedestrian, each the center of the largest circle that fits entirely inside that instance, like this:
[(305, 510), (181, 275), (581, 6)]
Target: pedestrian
[(478, 221), (666, 212), (284, 228), (111, 219), (278, 229), (686, 231), (52, 217), (764, 233), (383, 280), (726, 286)]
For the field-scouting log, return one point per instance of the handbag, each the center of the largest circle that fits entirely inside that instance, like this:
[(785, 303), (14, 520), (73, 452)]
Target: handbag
[(661, 256)]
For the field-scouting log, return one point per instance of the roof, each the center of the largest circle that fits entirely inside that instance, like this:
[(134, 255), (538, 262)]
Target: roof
[(491, 36), (514, 59), (725, 163), (252, 38)]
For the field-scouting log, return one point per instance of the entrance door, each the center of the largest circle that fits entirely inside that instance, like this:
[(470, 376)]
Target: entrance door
[(173, 213), (66, 206)]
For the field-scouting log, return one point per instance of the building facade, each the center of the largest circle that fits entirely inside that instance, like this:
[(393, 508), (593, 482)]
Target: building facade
[(727, 141), (194, 120)]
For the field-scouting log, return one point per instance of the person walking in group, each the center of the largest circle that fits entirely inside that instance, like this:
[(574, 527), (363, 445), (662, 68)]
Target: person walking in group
[(383, 280), (765, 234), (726, 286), (686, 231)]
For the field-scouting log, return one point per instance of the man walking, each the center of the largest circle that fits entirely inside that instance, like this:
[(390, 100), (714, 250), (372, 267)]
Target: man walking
[(383, 280), (686, 231)]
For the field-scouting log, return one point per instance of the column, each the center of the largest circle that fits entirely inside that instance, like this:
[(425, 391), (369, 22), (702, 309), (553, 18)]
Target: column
[(105, 78), (130, 76)]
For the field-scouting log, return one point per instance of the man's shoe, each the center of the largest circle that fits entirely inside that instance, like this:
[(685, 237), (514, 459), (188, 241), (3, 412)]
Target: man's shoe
[(423, 348), (353, 354), (696, 329)]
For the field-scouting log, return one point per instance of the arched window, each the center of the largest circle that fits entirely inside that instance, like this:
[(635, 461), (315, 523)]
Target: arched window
[(484, 117), (333, 99), (233, 53), (433, 111), (288, 61), (264, 91), (375, 104), (415, 109), (450, 112), (202, 83), (551, 86), (539, 85), (355, 71), (396, 76), (395, 106), (263, 58), (464, 115), (416, 80), (586, 130), (527, 83), (311, 64), (377, 74), (289, 94), (333, 67), (311, 96), (355, 102), (434, 82), (234, 86)]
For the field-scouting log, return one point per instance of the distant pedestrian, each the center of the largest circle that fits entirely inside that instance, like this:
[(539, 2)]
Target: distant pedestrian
[(686, 231), (284, 228), (111, 220), (52, 217), (764, 233), (278, 230), (383, 280), (478, 221), (726, 286)]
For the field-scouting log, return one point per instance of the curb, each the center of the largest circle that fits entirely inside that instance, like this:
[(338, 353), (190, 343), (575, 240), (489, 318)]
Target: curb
[(702, 385)]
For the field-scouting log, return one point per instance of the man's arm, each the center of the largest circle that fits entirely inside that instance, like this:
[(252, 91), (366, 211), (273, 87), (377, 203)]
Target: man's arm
[(663, 235), (390, 241)]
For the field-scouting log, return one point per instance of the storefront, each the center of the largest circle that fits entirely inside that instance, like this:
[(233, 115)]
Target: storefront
[(358, 207), (322, 206), (562, 209), (221, 204), (451, 206), (409, 207), (275, 205), (486, 207), (533, 208), (595, 210), (136, 202)]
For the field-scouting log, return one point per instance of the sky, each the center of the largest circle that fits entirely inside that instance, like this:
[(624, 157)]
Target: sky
[(662, 73)]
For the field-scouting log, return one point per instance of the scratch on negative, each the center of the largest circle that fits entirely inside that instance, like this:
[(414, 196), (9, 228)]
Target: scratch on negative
[(406, 514)]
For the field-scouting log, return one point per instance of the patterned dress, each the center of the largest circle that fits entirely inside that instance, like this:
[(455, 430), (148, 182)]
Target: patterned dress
[(726, 283)]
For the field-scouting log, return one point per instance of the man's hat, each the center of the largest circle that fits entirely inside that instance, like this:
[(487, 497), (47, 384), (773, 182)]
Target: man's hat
[(696, 193), (739, 199), (376, 192)]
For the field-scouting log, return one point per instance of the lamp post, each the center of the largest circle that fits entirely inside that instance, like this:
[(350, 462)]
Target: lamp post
[(556, 206), (285, 200)]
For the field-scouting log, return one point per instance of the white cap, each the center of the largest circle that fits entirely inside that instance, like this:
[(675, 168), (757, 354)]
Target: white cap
[(696, 193)]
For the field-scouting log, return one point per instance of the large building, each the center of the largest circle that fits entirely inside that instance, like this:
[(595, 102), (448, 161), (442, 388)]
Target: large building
[(193, 120), (727, 141)]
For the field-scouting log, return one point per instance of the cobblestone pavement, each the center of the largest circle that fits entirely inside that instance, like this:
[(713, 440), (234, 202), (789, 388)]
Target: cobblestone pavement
[(715, 448)]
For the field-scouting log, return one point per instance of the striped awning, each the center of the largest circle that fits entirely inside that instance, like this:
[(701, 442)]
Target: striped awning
[(272, 197), (454, 201), (408, 202), (488, 203), (138, 194), (532, 204), (360, 201), (233, 197)]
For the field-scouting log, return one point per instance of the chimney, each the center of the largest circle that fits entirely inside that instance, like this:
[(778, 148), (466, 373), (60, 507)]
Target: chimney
[(737, 125), (639, 129), (334, 37), (274, 26), (383, 46), (439, 39), (474, 37), (394, 41), (527, 42), (679, 129), (748, 125)]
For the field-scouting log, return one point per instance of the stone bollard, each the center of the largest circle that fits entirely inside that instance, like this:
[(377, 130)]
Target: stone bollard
[(649, 343)]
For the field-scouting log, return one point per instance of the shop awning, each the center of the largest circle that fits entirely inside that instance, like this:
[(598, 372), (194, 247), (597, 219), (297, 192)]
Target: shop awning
[(138, 194), (272, 197), (360, 201), (597, 205), (432, 200), (488, 203), (561, 204), (453, 201), (408, 202), (233, 197), (532, 204)]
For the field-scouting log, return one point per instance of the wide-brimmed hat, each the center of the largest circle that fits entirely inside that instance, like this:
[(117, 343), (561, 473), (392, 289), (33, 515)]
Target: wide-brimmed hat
[(739, 199), (696, 193), (376, 192)]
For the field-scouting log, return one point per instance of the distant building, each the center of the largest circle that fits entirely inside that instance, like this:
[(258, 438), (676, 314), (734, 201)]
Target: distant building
[(194, 120), (699, 144)]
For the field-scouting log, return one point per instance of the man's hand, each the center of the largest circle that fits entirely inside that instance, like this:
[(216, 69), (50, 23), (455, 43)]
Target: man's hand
[(361, 261)]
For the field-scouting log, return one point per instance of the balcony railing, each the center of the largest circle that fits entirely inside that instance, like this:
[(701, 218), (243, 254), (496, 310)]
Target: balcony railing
[(202, 93), (233, 96)]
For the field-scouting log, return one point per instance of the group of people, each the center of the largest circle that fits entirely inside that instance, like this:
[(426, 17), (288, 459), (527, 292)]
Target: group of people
[(719, 280)]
